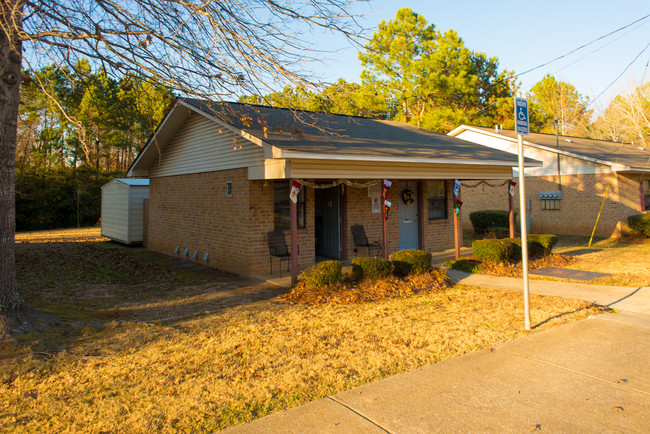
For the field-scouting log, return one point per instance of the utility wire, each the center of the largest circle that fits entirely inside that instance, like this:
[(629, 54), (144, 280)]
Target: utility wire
[(619, 75), (583, 46)]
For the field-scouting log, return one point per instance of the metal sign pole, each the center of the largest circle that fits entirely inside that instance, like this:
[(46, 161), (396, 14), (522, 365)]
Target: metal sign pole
[(521, 125), (524, 229)]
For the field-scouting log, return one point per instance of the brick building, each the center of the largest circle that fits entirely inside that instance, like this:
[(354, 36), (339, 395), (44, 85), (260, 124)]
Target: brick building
[(220, 180), (565, 195)]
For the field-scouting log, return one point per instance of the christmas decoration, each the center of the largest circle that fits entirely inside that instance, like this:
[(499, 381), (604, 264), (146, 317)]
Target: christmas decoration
[(513, 184), (295, 189), (456, 187), (387, 206), (408, 197), (385, 187), (457, 207)]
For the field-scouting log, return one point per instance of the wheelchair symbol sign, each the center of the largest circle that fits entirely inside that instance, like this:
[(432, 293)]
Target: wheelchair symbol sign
[(521, 119)]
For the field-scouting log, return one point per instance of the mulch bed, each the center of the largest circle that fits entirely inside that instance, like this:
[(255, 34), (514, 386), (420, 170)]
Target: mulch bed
[(348, 291)]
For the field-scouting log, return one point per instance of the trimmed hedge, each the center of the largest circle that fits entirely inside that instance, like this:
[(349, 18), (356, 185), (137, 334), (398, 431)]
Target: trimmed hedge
[(322, 274), (501, 250), (371, 268), (490, 220), (640, 223), (407, 262), (466, 265), (496, 250)]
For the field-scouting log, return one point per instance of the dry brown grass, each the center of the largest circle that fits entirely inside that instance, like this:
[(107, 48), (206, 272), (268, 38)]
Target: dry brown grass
[(626, 259), (74, 235), (128, 367)]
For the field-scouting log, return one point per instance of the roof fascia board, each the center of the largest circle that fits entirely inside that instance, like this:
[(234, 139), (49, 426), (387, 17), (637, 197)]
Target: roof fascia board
[(614, 166), (305, 155)]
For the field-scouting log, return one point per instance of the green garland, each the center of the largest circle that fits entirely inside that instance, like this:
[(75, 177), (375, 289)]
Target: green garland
[(485, 183), (339, 182)]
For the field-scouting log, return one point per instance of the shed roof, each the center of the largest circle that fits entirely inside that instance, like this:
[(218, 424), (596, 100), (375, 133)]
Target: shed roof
[(131, 181)]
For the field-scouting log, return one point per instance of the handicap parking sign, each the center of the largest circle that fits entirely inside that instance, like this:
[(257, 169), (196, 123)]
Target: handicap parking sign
[(521, 116)]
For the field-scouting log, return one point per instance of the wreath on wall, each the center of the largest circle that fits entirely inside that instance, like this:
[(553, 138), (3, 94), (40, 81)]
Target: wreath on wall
[(408, 197)]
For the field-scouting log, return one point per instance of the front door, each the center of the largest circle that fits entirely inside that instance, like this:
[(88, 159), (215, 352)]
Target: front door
[(328, 224), (408, 216)]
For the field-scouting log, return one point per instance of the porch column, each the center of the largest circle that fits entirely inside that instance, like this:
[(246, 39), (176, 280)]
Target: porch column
[(293, 207), (457, 230), (420, 197), (384, 224), (344, 223), (511, 208)]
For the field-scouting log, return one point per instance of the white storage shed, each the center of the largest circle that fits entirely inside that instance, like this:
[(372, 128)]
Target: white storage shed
[(123, 209)]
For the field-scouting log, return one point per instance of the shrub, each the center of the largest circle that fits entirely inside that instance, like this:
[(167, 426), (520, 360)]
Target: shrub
[(546, 241), (322, 274), (538, 245), (466, 265), (640, 223), (408, 262), (489, 220), (496, 250), (371, 268)]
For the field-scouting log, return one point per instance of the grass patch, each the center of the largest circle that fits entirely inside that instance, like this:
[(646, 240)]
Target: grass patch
[(170, 354)]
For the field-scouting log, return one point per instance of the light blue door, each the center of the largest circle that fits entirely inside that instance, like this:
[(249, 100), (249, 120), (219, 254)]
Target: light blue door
[(408, 220)]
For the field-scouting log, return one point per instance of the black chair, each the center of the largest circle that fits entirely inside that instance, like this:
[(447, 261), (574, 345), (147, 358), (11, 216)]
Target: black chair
[(360, 240), (278, 248)]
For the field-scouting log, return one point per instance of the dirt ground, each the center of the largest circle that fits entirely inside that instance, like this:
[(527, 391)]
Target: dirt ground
[(145, 342)]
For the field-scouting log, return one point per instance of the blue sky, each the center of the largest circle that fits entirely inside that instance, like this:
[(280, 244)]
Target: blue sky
[(524, 34)]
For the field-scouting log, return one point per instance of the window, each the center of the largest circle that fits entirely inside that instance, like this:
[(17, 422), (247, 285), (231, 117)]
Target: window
[(228, 188), (646, 194), (282, 209), (437, 200)]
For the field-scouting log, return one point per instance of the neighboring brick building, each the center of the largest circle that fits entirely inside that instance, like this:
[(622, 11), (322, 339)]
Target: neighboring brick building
[(565, 195), (220, 176)]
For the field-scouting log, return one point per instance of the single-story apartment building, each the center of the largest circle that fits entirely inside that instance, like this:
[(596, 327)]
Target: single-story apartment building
[(220, 176), (565, 195)]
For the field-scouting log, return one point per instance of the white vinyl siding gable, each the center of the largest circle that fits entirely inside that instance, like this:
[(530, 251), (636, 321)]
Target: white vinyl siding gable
[(201, 145)]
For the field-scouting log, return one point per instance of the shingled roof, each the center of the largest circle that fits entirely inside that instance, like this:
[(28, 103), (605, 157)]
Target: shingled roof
[(633, 156), (324, 133)]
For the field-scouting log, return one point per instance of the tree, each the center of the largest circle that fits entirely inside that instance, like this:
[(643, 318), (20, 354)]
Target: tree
[(627, 118), (431, 78), (206, 49), (397, 60), (557, 104)]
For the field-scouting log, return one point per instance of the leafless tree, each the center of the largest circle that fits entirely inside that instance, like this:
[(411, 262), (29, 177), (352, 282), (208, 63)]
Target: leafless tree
[(200, 48)]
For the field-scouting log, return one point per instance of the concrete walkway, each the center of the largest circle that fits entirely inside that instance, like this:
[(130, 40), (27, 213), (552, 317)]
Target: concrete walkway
[(585, 376)]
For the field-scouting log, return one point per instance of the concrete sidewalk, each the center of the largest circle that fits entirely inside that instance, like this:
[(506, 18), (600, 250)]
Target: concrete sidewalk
[(623, 298), (585, 376)]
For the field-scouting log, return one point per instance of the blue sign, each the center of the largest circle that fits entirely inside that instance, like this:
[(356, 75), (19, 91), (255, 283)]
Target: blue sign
[(521, 116)]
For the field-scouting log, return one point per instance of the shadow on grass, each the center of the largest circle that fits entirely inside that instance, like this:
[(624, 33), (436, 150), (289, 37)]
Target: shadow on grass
[(88, 285), (601, 309)]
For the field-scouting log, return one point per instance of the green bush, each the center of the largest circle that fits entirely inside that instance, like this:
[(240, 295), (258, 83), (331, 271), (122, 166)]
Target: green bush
[(495, 250), (371, 268), (466, 265), (408, 262), (538, 245), (322, 274), (490, 220), (640, 223), (546, 241)]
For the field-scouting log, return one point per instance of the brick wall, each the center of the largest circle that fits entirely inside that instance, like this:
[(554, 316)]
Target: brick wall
[(192, 211), (261, 221), (582, 196), (439, 234)]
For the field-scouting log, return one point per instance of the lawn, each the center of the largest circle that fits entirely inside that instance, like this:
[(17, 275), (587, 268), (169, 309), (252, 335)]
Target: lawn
[(146, 344)]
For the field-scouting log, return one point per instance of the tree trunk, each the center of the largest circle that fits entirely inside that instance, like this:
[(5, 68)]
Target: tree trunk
[(10, 69)]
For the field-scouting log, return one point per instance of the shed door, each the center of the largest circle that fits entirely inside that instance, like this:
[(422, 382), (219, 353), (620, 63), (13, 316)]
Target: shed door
[(408, 219)]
